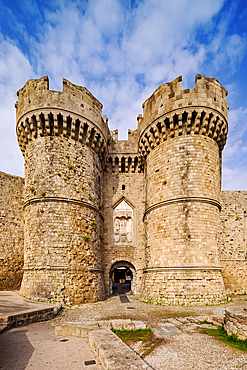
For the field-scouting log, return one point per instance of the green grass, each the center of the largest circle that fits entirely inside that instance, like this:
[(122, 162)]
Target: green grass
[(140, 334), (231, 340), (206, 322)]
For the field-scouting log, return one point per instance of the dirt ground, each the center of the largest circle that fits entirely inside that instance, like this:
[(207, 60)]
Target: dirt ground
[(135, 309)]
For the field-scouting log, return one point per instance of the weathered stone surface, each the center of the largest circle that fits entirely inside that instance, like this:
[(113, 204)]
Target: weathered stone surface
[(235, 321), (11, 231), (113, 353)]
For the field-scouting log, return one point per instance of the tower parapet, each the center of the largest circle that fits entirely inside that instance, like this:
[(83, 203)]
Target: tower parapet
[(171, 111), (74, 113)]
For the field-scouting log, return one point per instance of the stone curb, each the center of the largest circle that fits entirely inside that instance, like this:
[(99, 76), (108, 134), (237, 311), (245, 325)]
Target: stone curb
[(26, 317), (113, 353), (236, 321)]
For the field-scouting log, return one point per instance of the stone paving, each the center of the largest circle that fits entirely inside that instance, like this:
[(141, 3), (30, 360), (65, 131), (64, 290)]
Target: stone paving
[(35, 347)]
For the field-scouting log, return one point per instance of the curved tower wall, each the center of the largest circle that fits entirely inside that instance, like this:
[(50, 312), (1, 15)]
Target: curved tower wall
[(63, 139), (181, 136)]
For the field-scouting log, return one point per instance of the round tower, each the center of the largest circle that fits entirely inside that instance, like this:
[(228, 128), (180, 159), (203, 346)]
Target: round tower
[(181, 137), (63, 139)]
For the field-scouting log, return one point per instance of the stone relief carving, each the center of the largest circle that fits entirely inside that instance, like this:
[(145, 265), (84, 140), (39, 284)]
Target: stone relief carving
[(123, 224)]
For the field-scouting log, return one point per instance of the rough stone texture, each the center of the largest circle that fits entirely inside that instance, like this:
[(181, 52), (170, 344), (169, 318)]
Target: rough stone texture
[(232, 240), (11, 231), (66, 265), (235, 321), (152, 203)]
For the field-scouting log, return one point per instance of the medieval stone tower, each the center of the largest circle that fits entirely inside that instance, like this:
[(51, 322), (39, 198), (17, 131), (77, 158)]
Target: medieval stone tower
[(63, 139), (181, 137), (100, 211)]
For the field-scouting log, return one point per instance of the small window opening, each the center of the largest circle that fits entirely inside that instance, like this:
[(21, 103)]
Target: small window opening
[(82, 102), (123, 187)]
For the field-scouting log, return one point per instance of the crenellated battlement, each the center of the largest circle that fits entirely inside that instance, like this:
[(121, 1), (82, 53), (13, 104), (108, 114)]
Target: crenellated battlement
[(167, 97), (171, 111), (74, 113)]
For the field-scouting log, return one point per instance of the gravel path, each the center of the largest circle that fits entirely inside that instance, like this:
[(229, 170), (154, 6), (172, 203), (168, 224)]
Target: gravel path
[(196, 351)]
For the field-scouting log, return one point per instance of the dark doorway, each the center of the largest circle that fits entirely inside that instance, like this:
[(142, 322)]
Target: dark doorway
[(121, 278)]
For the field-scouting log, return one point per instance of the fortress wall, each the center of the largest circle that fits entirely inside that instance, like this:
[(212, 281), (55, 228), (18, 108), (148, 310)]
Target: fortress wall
[(11, 231), (186, 166), (62, 221), (112, 194), (233, 240)]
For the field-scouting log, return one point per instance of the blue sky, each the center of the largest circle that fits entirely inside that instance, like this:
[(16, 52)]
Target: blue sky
[(122, 51)]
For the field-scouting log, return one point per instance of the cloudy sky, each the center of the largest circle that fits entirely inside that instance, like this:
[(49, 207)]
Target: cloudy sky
[(122, 50)]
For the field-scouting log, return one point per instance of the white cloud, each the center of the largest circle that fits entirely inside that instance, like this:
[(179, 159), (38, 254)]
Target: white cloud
[(234, 154), (15, 70), (121, 54)]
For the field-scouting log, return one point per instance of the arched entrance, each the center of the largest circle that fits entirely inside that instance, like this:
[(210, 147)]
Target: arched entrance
[(124, 273)]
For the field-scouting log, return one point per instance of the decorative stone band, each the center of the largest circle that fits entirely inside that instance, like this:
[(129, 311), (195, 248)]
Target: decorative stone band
[(181, 200), (181, 122), (93, 269), (151, 269), (65, 200), (60, 123)]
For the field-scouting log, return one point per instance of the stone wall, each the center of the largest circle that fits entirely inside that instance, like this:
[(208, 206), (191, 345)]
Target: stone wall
[(235, 321), (11, 231), (233, 240)]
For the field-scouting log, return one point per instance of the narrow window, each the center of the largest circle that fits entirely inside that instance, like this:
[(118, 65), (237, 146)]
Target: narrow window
[(123, 187), (123, 164)]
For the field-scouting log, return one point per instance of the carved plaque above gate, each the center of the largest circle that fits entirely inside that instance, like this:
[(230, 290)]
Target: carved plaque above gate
[(123, 224)]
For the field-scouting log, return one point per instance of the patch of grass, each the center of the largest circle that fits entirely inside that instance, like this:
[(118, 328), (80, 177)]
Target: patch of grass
[(149, 341), (231, 340), (86, 238), (134, 335), (207, 322)]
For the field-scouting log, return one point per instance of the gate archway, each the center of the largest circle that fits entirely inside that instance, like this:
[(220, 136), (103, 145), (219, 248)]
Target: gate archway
[(123, 272)]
